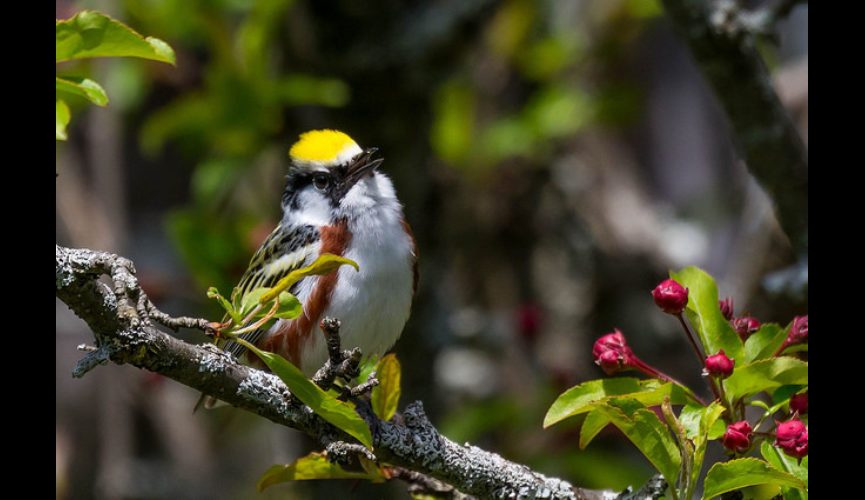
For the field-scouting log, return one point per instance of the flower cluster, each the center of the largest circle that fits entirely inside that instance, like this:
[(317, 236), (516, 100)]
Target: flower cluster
[(612, 353)]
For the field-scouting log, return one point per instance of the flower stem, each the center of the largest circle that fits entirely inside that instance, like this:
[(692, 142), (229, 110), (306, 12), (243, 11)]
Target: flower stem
[(652, 372), (783, 346), (700, 356)]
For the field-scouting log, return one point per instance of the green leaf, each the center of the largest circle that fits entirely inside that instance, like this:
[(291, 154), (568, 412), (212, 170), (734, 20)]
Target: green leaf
[(690, 418), (649, 435), (213, 293), (62, 120), (783, 393), (93, 34), (313, 466), (385, 396), (743, 472), (251, 299), (337, 412), (325, 263), (694, 417), (781, 461), (594, 423), (581, 398), (765, 375), (367, 366), (705, 315), (289, 306), (710, 427), (764, 342), (83, 87)]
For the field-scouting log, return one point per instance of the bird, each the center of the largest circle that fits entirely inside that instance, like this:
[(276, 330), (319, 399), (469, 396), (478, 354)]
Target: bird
[(337, 201)]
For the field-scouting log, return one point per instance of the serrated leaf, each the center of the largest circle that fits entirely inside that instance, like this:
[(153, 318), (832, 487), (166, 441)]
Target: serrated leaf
[(93, 34), (313, 466), (82, 87), (714, 331), (764, 342), (325, 263), (581, 398), (62, 120), (765, 375), (643, 428), (743, 472), (782, 461), (338, 413), (594, 423), (385, 396)]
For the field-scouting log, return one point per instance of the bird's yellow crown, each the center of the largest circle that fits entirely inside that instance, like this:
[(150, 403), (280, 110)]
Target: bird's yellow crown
[(323, 148)]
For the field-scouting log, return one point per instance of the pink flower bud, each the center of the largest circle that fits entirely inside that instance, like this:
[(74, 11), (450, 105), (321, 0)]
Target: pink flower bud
[(612, 353), (529, 322), (746, 326), (726, 306), (738, 436), (719, 365), (671, 297), (792, 437), (799, 403), (798, 331)]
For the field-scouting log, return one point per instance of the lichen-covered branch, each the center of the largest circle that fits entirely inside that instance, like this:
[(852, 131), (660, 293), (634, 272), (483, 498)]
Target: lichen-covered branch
[(724, 48), (125, 334)]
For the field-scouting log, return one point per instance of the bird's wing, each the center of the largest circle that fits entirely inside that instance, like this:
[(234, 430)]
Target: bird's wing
[(284, 250)]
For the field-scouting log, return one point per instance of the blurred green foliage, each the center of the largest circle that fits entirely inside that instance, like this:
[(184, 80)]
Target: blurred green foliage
[(230, 123), (87, 35)]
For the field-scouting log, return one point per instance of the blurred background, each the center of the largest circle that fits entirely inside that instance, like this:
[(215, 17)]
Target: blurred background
[(555, 158)]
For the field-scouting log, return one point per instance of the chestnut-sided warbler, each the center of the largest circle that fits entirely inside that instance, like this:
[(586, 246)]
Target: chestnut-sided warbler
[(335, 201)]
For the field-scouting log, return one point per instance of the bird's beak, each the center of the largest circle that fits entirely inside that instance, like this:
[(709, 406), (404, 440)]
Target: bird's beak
[(359, 168)]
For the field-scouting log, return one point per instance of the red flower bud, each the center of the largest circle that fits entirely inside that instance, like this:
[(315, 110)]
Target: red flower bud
[(529, 321), (670, 296), (726, 306), (799, 403), (792, 437), (612, 353), (798, 331), (719, 365), (746, 326), (738, 436)]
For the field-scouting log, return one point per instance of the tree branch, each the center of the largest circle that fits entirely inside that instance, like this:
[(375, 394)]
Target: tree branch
[(723, 46), (410, 442)]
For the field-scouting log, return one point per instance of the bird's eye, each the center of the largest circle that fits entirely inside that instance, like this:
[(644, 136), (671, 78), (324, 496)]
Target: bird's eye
[(321, 182)]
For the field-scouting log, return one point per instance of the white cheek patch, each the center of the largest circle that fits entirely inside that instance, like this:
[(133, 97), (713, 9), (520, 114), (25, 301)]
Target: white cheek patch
[(314, 209)]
